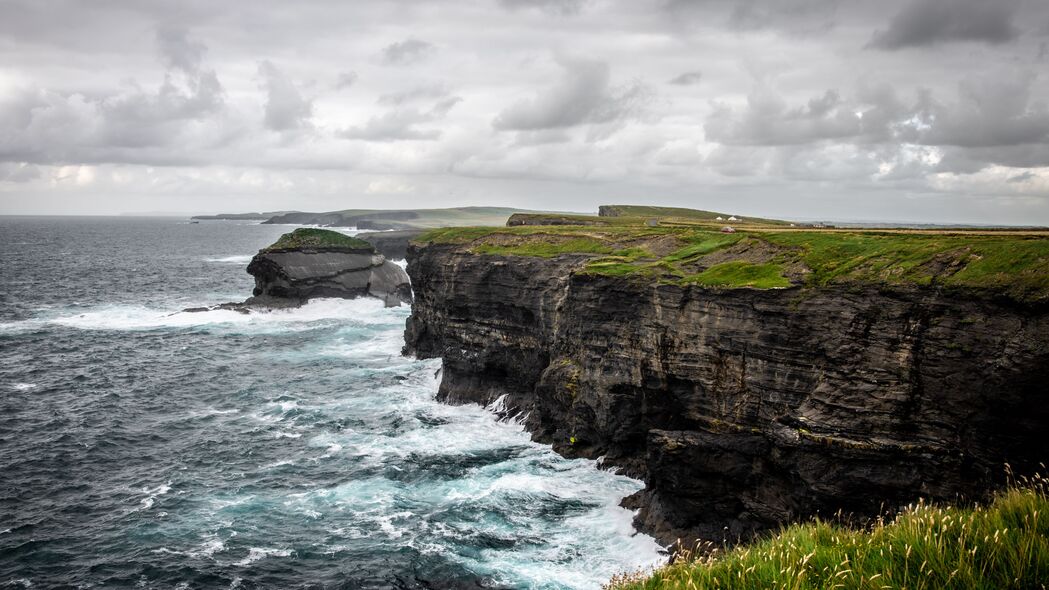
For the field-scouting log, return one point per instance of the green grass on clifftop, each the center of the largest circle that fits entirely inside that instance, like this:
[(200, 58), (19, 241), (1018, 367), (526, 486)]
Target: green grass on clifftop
[(741, 274), (1002, 545), (1008, 263), (309, 237), (681, 213)]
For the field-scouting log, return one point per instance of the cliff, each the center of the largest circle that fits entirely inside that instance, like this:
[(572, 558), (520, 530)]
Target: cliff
[(311, 263), (391, 244), (744, 408)]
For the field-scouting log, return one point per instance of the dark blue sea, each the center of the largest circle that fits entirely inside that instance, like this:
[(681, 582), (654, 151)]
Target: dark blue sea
[(145, 447)]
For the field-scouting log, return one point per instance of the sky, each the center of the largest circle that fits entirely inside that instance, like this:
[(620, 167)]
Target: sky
[(896, 110)]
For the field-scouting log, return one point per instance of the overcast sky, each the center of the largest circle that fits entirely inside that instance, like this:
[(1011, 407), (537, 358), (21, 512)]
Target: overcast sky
[(923, 110)]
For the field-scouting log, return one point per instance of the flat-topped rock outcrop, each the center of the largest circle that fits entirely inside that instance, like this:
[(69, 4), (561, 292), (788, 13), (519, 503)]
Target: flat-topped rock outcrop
[(310, 263)]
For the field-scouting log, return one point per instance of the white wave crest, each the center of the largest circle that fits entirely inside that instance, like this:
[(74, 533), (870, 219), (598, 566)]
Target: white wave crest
[(239, 259), (364, 311), (257, 553)]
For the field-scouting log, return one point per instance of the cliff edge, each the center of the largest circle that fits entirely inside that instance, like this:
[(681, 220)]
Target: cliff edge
[(309, 263), (749, 380)]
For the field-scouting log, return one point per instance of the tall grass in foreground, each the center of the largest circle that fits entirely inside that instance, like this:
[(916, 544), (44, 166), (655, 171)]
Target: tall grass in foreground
[(1001, 545)]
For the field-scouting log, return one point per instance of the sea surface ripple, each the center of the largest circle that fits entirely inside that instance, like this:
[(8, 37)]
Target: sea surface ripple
[(141, 446)]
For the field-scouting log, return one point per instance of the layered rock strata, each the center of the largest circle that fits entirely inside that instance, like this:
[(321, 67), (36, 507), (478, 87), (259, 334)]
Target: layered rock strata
[(391, 244), (297, 275), (743, 409)]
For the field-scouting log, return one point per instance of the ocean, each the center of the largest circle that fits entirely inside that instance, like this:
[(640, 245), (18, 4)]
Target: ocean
[(141, 446)]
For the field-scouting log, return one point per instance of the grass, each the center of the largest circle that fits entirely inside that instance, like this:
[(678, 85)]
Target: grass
[(679, 213), (550, 249), (1004, 544), (309, 237), (741, 274), (1015, 265)]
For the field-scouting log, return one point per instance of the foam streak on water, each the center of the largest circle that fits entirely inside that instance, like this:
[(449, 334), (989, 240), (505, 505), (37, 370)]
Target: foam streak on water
[(141, 445)]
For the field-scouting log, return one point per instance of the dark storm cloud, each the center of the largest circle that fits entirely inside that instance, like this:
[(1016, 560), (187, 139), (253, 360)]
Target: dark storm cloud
[(402, 124), (285, 107), (928, 22), (686, 79), (406, 52), (583, 94)]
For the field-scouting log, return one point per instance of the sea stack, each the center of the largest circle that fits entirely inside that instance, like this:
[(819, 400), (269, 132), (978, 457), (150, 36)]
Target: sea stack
[(309, 263)]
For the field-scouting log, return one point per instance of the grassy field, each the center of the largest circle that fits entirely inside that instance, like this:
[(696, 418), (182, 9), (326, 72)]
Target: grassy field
[(308, 237), (430, 218), (1015, 264), (1002, 545), (679, 214)]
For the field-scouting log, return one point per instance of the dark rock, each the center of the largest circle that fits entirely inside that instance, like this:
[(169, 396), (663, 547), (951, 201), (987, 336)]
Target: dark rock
[(392, 244), (743, 409), (301, 274)]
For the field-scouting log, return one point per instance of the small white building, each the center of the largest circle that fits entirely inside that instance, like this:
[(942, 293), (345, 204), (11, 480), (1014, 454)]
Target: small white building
[(719, 218), (733, 218)]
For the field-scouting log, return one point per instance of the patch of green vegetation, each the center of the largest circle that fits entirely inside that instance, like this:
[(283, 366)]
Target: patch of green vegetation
[(456, 235), (462, 235), (550, 249), (560, 219), (1016, 265), (616, 267), (309, 237), (702, 243), (1001, 545), (648, 211), (737, 274)]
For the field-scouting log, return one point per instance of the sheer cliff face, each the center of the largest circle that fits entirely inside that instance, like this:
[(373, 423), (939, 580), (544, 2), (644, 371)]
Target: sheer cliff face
[(742, 409)]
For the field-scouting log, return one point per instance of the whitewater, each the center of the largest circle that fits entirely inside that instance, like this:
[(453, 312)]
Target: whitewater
[(141, 445)]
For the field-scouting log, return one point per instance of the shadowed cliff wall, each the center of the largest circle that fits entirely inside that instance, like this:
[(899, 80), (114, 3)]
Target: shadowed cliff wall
[(743, 409)]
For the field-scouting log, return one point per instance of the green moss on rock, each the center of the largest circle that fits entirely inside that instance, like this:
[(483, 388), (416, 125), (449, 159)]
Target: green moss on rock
[(309, 237)]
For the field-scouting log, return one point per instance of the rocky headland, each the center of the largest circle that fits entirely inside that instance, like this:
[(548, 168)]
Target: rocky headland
[(391, 244), (751, 379), (310, 263)]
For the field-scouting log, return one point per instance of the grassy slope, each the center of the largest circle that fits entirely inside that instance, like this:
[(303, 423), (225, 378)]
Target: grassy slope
[(430, 218), (1002, 545), (1016, 264), (308, 237), (680, 213)]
